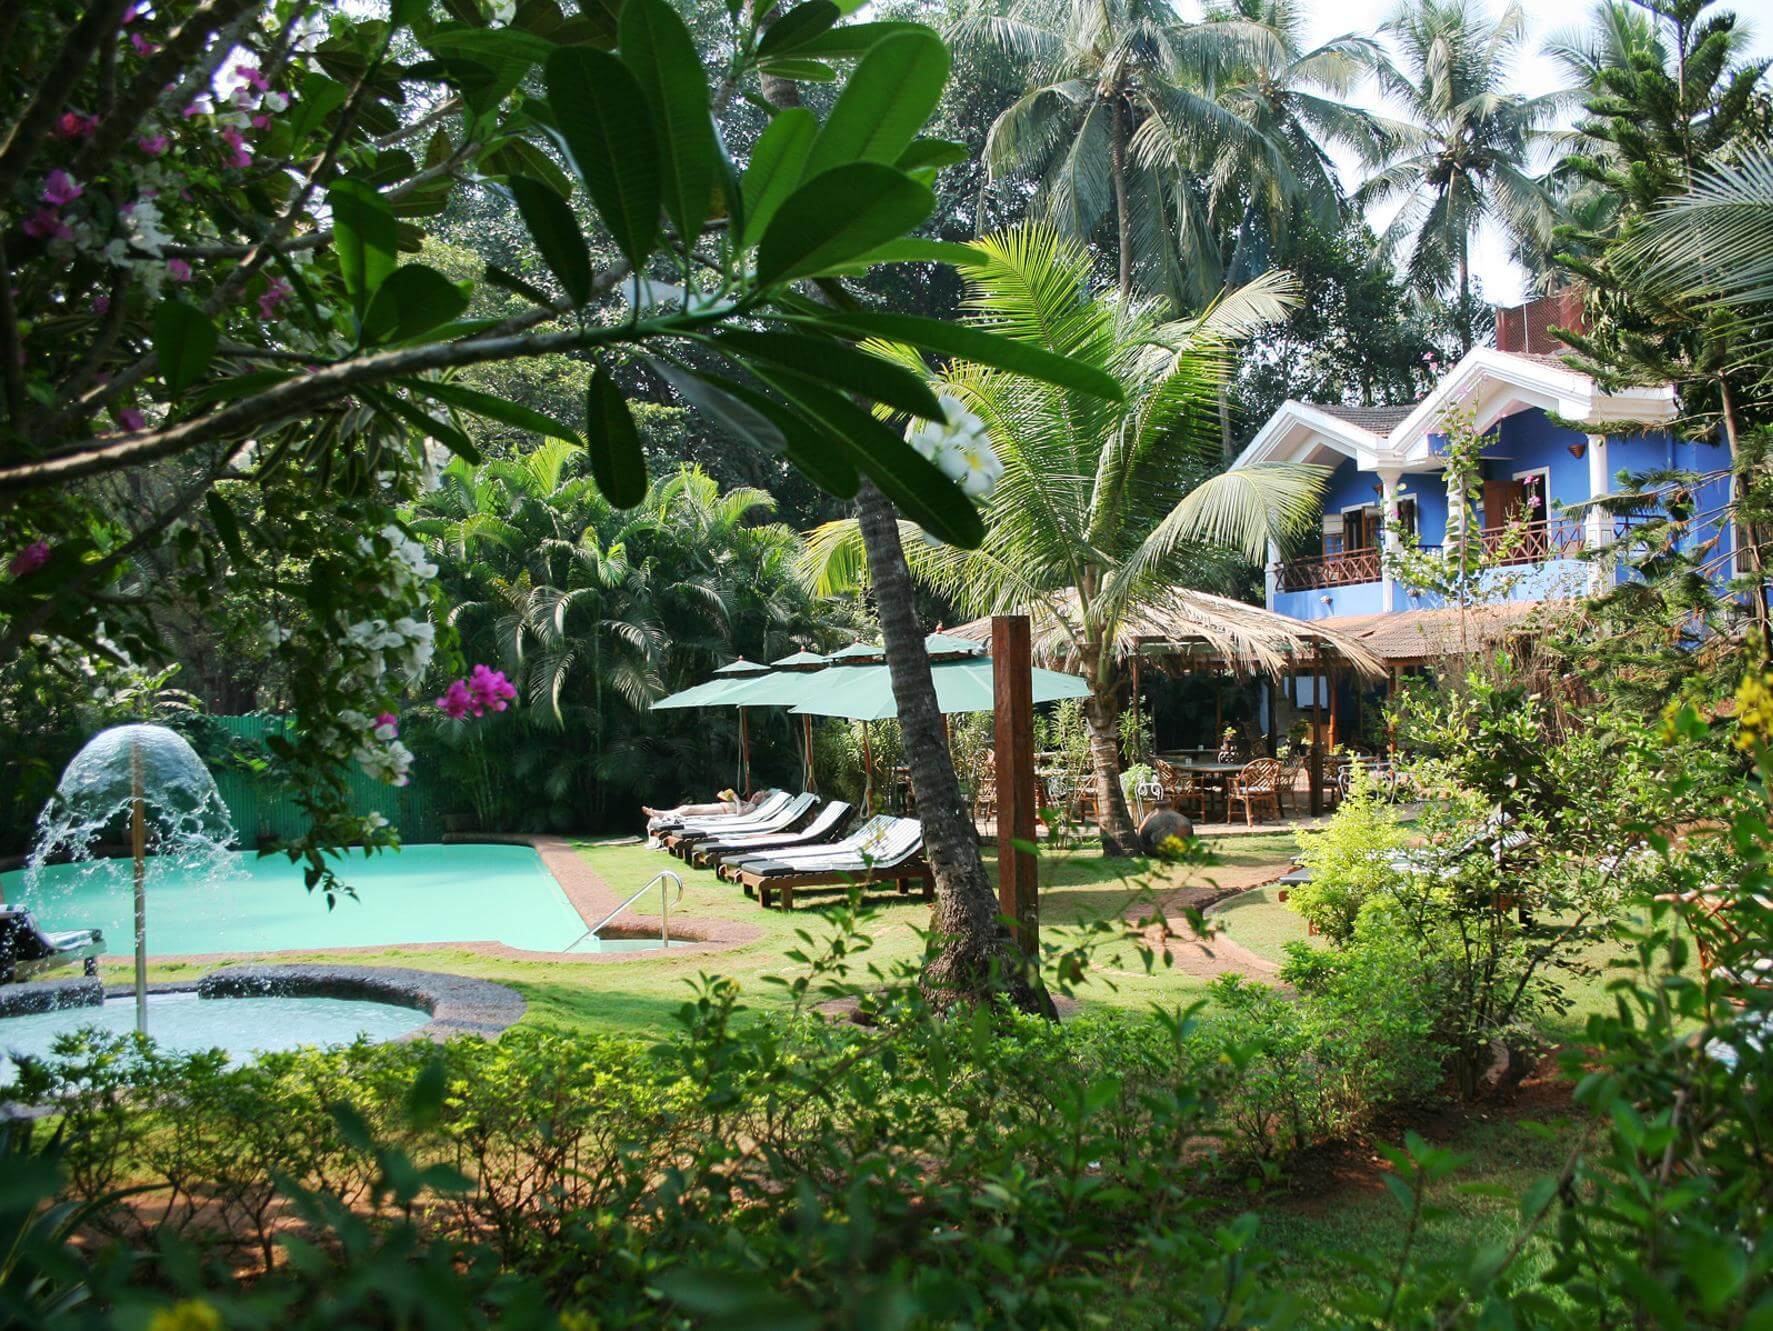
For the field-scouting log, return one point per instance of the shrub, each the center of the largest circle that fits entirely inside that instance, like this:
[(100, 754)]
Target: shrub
[(1351, 861)]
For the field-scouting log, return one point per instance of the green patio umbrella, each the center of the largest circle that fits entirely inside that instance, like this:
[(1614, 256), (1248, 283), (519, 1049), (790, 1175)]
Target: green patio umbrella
[(780, 686), (865, 693), (712, 694)]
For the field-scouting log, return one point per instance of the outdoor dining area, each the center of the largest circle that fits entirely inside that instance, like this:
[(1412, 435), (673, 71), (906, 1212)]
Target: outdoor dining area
[(1284, 678)]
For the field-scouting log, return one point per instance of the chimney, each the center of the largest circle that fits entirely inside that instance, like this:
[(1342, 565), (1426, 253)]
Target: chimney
[(1526, 329)]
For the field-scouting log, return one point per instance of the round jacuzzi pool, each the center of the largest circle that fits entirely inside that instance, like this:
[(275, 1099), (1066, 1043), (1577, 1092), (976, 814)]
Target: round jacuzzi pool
[(255, 1009), (188, 1023)]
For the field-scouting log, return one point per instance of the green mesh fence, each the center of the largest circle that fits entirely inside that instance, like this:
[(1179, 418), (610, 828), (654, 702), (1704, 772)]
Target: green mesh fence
[(261, 810)]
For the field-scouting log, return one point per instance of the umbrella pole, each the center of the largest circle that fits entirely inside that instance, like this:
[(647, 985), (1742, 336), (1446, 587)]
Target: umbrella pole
[(867, 771), (744, 755), (806, 737)]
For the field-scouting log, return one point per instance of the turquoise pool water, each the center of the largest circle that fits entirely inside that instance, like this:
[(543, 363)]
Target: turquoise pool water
[(187, 1024), (421, 894)]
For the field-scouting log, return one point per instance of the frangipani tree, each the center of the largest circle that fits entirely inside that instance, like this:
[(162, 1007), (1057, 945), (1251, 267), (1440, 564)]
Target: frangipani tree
[(1101, 508), (212, 338)]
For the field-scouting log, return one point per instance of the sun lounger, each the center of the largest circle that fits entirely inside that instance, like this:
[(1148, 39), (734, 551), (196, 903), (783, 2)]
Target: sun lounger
[(783, 819), (768, 799), (892, 853), (26, 950), (827, 826), (862, 838)]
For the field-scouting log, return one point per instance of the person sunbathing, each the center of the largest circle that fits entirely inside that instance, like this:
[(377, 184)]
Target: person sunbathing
[(727, 801)]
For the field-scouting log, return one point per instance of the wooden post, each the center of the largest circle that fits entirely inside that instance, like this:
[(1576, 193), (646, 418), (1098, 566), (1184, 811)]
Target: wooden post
[(867, 772), (138, 848), (806, 739), (1135, 757), (1269, 706), (1317, 739), (1330, 685), (1013, 697)]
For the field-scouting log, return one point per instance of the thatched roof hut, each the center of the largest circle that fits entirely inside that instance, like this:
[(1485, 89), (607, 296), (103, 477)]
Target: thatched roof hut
[(1190, 628)]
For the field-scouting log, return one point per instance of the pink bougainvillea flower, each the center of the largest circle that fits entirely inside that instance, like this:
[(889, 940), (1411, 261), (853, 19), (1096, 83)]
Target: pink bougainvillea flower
[(131, 14), (178, 270), (275, 293), (61, 188), (142, 45), (33, 557), (74, 125), (197, 108), (239, 154), (131, 419), (153, 145), (490, 688), (101, 304), (46, 224), (261, 121), (387, 726), (253, 77), (456, 701)]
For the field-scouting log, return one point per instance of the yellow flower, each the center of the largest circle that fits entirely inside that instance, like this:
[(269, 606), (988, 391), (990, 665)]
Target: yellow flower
[(188, 1315), (1754, 708)]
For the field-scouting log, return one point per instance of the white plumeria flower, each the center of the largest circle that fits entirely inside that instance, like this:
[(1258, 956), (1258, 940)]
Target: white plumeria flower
[(960, 446)]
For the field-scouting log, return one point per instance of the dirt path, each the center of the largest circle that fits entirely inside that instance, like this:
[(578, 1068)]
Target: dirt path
[(1208, 959)]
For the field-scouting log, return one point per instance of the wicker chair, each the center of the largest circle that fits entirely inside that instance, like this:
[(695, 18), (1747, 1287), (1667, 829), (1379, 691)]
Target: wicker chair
[(1182, 790), (1257, 785), (1297, 764)]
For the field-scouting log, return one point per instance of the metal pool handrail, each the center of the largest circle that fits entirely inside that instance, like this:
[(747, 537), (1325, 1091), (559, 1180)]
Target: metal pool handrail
[(664, 909)]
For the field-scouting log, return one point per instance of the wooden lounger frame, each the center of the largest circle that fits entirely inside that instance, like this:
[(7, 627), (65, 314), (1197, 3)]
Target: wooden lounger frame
[(783, 886)]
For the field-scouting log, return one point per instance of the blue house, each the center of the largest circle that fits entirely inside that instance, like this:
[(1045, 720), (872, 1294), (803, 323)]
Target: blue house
[(1555, 439)]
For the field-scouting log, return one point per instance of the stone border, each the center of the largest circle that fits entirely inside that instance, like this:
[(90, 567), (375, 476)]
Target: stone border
[(33, 996), (585, 891), (457, 1004)]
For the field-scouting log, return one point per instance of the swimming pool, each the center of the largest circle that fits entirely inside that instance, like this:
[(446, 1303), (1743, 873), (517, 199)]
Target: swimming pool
[(420, 894)]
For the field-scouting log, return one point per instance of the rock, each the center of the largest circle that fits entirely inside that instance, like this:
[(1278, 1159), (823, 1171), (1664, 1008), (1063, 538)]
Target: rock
[(1162, 824)]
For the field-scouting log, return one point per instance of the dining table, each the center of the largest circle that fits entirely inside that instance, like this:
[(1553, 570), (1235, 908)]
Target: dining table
[(1214, 776)]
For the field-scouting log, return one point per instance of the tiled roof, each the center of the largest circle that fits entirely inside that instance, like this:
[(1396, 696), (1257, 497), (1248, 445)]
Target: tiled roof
[(1378, 420), (1403, 636)]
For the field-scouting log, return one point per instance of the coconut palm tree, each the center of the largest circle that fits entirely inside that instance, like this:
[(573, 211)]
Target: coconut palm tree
[(1103, 508), (1465, 154), (1290, 102)]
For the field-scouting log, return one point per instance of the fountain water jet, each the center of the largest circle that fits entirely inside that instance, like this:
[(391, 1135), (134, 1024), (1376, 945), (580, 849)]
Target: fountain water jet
[(149, 776)]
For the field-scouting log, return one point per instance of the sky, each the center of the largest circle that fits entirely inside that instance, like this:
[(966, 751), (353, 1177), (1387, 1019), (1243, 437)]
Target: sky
[(1534, 73)]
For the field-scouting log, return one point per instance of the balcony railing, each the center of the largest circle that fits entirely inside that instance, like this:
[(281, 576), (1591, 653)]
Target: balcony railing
[(1518, 543)]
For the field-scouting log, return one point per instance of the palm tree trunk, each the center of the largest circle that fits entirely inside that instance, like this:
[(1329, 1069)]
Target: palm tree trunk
[(1466, 337), (1117, 160), (976, 958), (1114, 821)]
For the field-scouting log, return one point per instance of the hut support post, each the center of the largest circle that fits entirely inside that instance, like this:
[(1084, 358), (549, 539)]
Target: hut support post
[(1317, 738), (1017, 867)]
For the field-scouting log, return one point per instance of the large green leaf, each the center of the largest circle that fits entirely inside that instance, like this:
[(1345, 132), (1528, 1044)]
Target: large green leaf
[(426, 424), (914, 484), (657, 47), (953, 339), (477, 403), (617, 463), (365, 235), (837, 363), (807, 443), (775, 167), (414, 300), (603, 122), (838, 215), (184, 343), (852, 40), (508, 54), (886, 102), (556, 232), (797, 27), (513, 156)]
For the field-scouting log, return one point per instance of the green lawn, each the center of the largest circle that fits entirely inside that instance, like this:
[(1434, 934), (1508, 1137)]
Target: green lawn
[(641, 995)]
